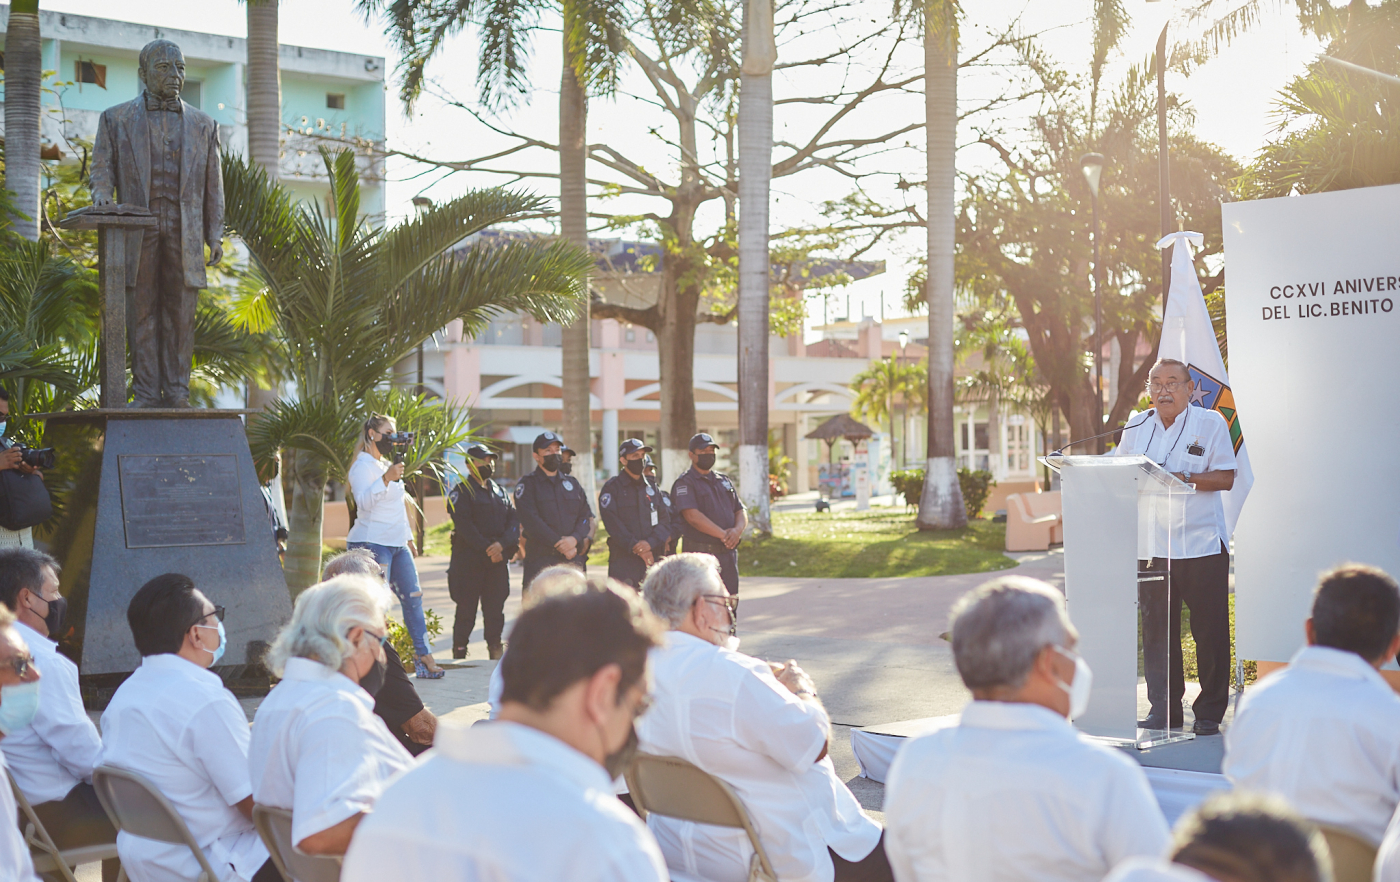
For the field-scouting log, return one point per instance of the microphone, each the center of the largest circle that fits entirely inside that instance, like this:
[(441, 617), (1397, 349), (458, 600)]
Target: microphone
[(1145, 417)]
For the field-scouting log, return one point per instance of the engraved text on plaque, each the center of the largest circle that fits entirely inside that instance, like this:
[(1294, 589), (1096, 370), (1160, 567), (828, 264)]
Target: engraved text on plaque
[(181, 500)]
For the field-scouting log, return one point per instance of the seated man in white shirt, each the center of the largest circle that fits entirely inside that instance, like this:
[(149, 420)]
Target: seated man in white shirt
[(1324, 732), (174, 723), (52, 758), (1236, 837), (318, 749), (1013, 791), (760, 729), (529, 797), (19, 701)]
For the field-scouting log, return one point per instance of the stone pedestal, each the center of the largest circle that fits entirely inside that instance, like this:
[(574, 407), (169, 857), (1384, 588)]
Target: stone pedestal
[(149, 491)]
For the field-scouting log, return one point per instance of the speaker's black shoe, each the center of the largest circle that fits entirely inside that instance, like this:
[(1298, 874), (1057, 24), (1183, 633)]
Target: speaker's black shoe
[(459, 652), (1206, 727)]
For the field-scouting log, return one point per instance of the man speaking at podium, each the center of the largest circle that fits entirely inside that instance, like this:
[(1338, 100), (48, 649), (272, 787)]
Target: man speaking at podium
[(1194, 444)]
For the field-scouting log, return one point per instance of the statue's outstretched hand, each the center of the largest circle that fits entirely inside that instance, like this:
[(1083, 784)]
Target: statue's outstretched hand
[(216, 253), (102, 200)]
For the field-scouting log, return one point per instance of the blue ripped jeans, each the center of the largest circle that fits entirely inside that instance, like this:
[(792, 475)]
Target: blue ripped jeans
[(399, 569)]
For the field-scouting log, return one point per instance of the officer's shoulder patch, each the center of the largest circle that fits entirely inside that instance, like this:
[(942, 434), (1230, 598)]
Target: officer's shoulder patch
[(605, 500), (519, 489), (650, 491), (682, 490), (725, 482), (568, 485), (667, 500)]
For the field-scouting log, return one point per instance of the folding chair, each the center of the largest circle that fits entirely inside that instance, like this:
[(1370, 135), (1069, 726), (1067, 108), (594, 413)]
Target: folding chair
[(674, 788), (137, 807), (1353, 858), (48, 857), (275, 827)]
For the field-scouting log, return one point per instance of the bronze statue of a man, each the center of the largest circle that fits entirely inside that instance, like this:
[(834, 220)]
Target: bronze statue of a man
[(159, 153)]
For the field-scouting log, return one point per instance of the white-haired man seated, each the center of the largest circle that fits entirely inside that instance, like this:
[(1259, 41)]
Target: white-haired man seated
[(759, 728), (1013, 791), (318, 749)]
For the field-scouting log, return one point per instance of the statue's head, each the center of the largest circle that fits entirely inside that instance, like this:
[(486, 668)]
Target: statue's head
[(162, 68)]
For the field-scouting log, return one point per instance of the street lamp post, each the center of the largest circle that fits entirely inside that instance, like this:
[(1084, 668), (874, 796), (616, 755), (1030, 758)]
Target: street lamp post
[(1092, 166)]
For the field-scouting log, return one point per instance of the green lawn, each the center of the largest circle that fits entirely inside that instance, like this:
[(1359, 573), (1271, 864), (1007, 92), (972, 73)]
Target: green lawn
[(881, 542), (877, 543)]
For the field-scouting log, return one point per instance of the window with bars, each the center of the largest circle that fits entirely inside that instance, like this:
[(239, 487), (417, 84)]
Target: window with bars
[(90, 72)]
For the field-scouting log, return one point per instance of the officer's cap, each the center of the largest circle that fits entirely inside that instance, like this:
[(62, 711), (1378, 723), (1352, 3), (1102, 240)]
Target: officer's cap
[(544, 439), (631, 445), (568, 450), (649, 463), (701, 441), (480, 451)]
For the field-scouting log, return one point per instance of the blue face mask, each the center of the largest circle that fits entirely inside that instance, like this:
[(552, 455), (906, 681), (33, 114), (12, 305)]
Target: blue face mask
[(18, 705), (3, 424), (223, 643)]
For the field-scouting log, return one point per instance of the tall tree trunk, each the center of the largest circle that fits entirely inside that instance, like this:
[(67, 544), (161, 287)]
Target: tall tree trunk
[(574, 342), (675, 344), (264, 86), (755, 173), (995, 453), (302, 564), (941, 507), (23, 78)]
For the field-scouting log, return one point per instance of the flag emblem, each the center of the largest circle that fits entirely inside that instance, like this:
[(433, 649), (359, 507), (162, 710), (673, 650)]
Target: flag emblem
[(1214, 395)]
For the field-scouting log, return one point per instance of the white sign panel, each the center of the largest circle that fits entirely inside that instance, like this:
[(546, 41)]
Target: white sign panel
[(1312, 299)]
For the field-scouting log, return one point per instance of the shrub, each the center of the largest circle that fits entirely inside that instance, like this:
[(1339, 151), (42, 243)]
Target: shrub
[(403, 643), (976, 486)]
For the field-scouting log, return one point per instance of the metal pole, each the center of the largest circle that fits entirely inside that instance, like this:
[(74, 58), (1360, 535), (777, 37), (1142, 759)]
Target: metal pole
[(1098, 325), (1164, 174)]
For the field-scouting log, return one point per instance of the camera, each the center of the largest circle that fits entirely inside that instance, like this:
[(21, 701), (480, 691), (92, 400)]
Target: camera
[(401, 442), (37, 457)]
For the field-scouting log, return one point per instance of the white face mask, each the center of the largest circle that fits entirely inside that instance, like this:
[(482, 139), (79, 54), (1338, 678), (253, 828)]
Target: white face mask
[(1078, 690)]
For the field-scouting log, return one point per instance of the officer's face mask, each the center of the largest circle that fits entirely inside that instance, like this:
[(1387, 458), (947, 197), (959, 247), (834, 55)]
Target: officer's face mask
[(566, 468), (635, 466), (484, 470), (551, 462), (705, 461), (1079, 688)]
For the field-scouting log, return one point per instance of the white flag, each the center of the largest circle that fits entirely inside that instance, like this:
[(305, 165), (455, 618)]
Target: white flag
[(1188, 336)]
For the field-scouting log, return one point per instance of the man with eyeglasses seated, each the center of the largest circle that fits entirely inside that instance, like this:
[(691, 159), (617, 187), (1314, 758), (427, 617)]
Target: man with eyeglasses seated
[(19, 700), (758, 727), (1194, 444), (528, 797), (173, 722), (53, 757), (318, 750)]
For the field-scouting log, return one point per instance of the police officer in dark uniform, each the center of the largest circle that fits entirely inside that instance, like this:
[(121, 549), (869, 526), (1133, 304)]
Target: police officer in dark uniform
[(631, 510), (670, 518), (485, 535), (554, 513), (567, 468), (714, 517)]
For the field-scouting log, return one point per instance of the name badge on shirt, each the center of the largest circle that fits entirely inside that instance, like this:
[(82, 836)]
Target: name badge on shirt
[(654, 518), (1196, 449)]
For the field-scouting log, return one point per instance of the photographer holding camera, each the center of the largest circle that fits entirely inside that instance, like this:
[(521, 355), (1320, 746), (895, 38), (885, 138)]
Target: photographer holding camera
[(381, 526), (24, 461)]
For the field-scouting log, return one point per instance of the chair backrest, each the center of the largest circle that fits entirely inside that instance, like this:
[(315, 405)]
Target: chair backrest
[(137, 807), (1353, 858), (36, 837), (675, 788), (1043, 503), (275, 827)]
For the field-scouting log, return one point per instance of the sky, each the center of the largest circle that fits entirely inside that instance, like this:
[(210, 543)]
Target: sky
[(1232, 96)]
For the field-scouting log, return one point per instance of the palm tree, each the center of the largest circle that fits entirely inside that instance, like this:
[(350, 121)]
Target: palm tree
[(264, 87), (23, 77), (881, 385), (350, 300), (592, 49), (941, 507), (755, 172)]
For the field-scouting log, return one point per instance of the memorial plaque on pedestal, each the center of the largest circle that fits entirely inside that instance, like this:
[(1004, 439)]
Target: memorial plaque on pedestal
[(180, 500)]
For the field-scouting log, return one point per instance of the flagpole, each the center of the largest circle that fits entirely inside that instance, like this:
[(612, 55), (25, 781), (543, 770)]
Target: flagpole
[(1164, 173)]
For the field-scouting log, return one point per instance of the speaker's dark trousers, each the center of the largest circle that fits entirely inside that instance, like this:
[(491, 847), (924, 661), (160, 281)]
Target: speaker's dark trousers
[(1203, 583), (477, 581)]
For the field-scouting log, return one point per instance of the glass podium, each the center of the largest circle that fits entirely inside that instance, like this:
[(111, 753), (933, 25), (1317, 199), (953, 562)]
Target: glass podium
[(1119, 512)]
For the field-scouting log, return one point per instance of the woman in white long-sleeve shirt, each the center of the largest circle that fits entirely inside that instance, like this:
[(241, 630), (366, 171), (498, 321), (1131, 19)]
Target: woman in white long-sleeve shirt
[(381, 525)]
